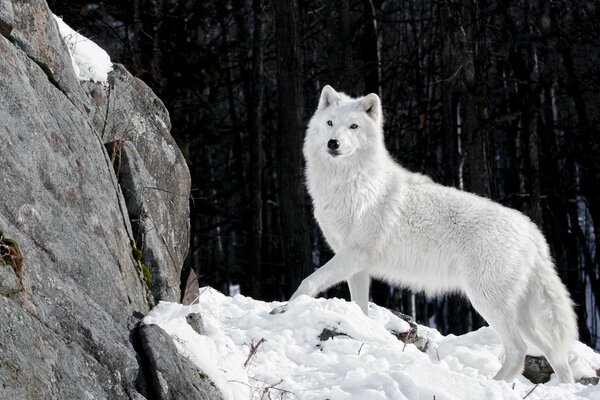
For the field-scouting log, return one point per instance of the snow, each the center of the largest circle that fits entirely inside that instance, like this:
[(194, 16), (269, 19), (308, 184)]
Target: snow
[(90, 62), (367, 363)]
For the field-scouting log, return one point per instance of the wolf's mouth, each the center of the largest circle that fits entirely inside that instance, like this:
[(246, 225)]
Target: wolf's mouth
[(334, 153)]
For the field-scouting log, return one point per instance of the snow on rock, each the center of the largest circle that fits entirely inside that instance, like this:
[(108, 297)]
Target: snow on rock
[(90, 62), (248, 352)]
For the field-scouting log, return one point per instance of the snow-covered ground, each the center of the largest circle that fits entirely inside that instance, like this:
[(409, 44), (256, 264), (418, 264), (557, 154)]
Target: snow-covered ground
[(289, 360), (90, 61)]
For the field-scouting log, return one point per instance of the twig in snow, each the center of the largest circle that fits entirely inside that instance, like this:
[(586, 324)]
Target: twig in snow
[(360, 348), (253, 350), (528, 393), (265, 391)]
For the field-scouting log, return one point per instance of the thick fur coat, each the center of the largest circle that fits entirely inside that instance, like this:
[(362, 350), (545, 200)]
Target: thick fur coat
[(386, 222)]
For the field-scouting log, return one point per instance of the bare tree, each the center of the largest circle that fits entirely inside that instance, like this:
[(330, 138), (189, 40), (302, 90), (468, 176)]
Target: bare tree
[(476, 108), (292, 197), (257, 158)]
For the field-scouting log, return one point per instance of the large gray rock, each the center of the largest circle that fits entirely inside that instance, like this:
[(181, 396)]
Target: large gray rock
[(31, 27), (61, 203), (7, 18), (173, 377), (37, 361), (152, 173), (66, 321)]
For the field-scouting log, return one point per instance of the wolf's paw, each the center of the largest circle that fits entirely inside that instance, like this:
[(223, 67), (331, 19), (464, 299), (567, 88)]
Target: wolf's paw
[(279, 310)]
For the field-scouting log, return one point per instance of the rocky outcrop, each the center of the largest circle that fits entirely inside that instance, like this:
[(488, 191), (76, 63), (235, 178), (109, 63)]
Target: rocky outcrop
[(151, 171), (31, 28), (97, 248), (172, 376)]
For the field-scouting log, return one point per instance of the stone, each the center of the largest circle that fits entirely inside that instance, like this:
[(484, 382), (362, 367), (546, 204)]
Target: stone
[(537, 369), (195, 321), (173, 377), (412, 335), (34, 31), (153, 175), (146, 208), (327, 334), (67, 332), (61, 204), (9, 282), (39, 362), (190, 286), (6, 18), (591, 380)]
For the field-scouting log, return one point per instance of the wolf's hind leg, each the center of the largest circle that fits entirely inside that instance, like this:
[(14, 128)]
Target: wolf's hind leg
[(504, 324), (514, 349), (557, 357), (359, 290)]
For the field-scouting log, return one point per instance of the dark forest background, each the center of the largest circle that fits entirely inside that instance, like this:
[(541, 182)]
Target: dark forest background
[(500, 98)]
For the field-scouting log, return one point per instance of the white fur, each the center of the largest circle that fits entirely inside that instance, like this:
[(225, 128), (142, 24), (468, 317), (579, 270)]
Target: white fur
[(386, 222)]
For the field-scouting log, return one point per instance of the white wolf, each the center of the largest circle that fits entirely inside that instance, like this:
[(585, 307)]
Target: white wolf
[(383, 221)]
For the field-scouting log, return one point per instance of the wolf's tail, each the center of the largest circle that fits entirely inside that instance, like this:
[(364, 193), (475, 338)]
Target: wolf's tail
[(550, 304)]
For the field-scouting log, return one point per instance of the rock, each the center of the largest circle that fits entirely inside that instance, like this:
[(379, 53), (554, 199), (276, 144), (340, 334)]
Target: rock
[(152, 172), (411, 336), (195, 321), (9, 282), (147, 210), (61, 185), (327, 334), (6, 18), (173, 377), (190, 290), (591, 380), (537, 369), (37, 361), (61, 204), (31, 26), (66, 334)]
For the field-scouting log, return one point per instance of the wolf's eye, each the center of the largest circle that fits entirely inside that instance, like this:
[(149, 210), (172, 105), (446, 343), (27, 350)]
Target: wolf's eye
[(329, 123), (353, 126)]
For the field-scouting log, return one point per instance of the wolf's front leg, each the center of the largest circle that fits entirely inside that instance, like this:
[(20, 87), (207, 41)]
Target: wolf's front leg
[(346, 263), (359, 290)]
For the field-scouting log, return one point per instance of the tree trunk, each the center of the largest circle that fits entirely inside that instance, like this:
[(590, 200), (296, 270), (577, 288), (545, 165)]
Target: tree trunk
[(293, 204), (346, 37), (257, 158), (475, 131), (373, 44), (157, 14), (448, 126), (475, 80)]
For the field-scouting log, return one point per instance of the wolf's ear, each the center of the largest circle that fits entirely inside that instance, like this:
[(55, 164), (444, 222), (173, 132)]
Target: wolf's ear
[(328, 97), (372, 106)]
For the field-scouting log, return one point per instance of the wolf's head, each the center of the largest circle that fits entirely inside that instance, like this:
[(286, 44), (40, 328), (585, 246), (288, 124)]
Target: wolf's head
[(344, 127)]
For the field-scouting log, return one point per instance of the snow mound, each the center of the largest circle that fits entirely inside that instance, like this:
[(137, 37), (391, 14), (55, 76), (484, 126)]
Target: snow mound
[(251, 354), (90, 61)]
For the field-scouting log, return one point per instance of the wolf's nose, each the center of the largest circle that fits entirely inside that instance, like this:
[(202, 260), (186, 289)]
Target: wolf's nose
[(333, 144)]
